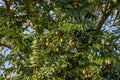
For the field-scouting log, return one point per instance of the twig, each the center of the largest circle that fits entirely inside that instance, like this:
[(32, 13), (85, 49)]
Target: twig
[(5, 45)]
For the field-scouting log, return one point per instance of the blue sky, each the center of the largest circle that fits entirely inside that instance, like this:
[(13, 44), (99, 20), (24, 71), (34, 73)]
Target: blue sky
[(1, 2)]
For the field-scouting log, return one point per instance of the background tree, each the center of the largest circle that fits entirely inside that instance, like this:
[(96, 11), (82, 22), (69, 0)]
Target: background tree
[(60, 39)]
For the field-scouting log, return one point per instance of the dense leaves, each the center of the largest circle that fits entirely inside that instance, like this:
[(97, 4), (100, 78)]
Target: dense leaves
[(60, 39)]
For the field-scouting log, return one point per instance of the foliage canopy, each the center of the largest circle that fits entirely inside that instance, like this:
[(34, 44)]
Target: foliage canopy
[(60, 39)]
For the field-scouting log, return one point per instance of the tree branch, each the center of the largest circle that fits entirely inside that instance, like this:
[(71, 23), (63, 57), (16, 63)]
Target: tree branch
[(2, 69), (106, 14), (5, 45)]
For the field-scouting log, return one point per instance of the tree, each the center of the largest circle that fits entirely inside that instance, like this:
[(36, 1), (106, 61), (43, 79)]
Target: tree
[(60, 39)]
